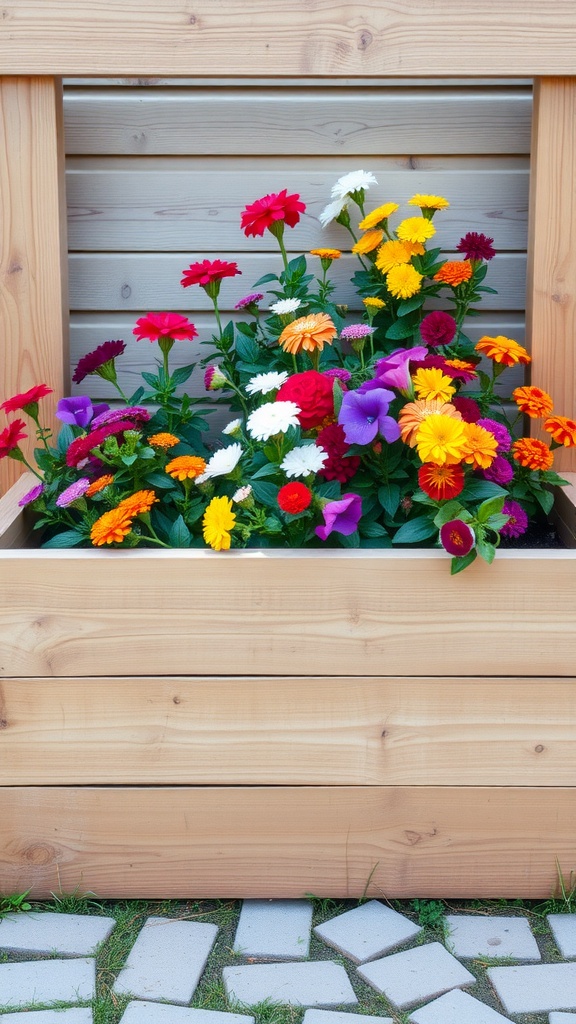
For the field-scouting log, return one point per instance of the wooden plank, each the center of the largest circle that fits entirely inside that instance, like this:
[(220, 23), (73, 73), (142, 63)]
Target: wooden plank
[(318, 612), (288, 731), (564, 512), (282, 841), (321, 121), (233, 37), (33, 244), (552, 273), (14, 527), (186, 203)]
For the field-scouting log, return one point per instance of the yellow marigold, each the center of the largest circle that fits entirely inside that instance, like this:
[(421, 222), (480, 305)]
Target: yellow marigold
[(186, 467), (454, 272), (137, 503), (533, 401), (427, 202), (562, 429), (441, 439), (403, 282), (372, 220), (163, 440), (532, 453), (502, 350), (368, 242), (99, 484), (412, 415), (308, 334), (394, 254), (481, 446), (373, 303), (111, 528), (326, 254), (218, 521), (415, 229), (430, 382)]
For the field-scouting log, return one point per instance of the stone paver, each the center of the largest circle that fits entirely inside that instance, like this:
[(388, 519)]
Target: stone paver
[(341, 1017), (562, 1018), (167, 960), (416, 974), (163, 1013), (468, 935), (457, 1007), (563, 928), (47, 981), (321, 983), (535, 989), (69, 934), (76, 1015), (275, 929), (367, 931)]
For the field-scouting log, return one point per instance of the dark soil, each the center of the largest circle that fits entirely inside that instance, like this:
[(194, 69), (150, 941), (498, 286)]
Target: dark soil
[(538, 535)]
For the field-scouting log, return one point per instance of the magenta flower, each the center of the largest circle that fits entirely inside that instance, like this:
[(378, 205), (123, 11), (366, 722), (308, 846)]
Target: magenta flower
[(518, 521), (500, 472), (476, 246), (154, 326), (341, 516), (128, 412), (394, 370), (338, 373), (438, 328), (356, 331), (249, 300), (457, 537), (500, 432), (31, 495), (364, 415), (100, 361), (73, 492)]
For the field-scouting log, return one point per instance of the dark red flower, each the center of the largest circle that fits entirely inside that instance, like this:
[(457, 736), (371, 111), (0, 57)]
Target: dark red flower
[(457, 537), (31, 397), (10, 437), (81, 447), (338, 466), (93, 362), (164, 325), (467, 407), (438, 328), (458, 369), (476, 246), (312, 392), (265, 212), (208, 272), (294, 497)]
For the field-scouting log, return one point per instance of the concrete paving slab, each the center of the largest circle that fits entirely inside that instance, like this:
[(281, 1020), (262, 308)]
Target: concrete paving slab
[(46, 932), (341, 1017), (563, 928), (367, 931), (317, 983), (415, 975), (536, 988), (274, 929), (562, 1018), (76, 1015), (47, 981), (468, 935), (167, 960), (163, 1013), (457, 1007)]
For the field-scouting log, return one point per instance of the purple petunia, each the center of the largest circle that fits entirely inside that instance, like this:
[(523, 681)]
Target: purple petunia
[(394, 370), (341, 516), (364, 415), (78, 410)]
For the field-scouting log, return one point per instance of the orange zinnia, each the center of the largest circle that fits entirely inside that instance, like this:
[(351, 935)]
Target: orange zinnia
[(186, 467), (454, 272), (533, 401), (111, 528), (502, 350), (532, 453), (368, 242), (562, 429), (99, 484), (441, 483), (163, 440), (413, 414), (308, 334), (481, 446), (137, 503)]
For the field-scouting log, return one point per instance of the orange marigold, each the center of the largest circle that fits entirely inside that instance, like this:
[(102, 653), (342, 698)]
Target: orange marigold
[(454, 272), (562, 430), (502, 350), (308, 334), (481, 446), (412, 415), (99, 484), (533, 401), (163, 440), (186, 467), (326, 254), (111, 528), (137, 503), (368, 241), (532, 453)]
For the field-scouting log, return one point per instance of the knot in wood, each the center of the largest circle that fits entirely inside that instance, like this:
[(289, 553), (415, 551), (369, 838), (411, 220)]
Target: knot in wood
[(539, 748), (365, 38), (39, 853)]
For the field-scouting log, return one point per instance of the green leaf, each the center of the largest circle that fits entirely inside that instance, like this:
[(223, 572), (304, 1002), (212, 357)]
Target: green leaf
[(161, 480), (246, 349), (400, 329), (65, 438), (373, 530), (477, 490), (550, 477), (330, 489), (265, 493), (421, 528), (485, 549), (150, 378), (179, 535), (490, 507), (350, 541), (265, 279), (461, 562), (273, 525), (68, 539), (409, 305), (545, 499), (269, 469), (389, 498), (183, 374), (451, 510)]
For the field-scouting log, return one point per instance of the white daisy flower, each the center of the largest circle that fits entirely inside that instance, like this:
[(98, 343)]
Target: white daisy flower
[(222, 462), (262, 383), (333, 210), (308, 458), (352, 182), (272, 418), (285, 306), (233, 427)]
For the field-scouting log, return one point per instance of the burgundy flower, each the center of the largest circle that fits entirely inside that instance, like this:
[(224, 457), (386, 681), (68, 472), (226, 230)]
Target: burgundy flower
[(164, 325), (467, 407), (99, 361), (476, 246), (338, 466), (438, 328), (457, 537), (341, 516), (266, 213)]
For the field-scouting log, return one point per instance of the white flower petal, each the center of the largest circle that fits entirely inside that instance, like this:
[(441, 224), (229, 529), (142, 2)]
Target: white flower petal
[(333, 210), (352, 182), (222, 462), (307, 458), (262, 383), (286, 306), (272, 418)]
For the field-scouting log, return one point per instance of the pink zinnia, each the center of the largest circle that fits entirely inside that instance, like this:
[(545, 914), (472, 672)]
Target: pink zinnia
[(438, 328), (81, 447), (271, 209), (31, 397), (355, 331), (338, 373), (31, 495), (73, 492), (249, 300), (94, 361), (208, 272), (164, 325), (130, 412)]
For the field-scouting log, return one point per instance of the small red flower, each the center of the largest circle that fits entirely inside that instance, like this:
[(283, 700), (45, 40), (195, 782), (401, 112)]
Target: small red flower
[(31, 397), (338, 466), (313, 394), (457, 537), (164, 325), (441, 482), (10, 437), (294, 497), (265, 212), (208, 272)]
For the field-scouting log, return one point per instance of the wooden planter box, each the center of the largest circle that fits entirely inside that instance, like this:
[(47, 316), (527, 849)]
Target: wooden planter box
[(279, 723)]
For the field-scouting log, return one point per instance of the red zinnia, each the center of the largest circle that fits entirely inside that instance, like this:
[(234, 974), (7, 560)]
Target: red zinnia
[(438, 328), (10, 437), (269, 210), (30, 397), (164, 325), (467, 407), (338, 466), (441, 482), (294, 497), (81, 447), (208, 272), (93, 362), (312, 392), (476, 246)]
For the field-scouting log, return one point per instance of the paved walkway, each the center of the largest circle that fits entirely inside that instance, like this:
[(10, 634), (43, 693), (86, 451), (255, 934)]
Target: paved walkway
[(422, 981)]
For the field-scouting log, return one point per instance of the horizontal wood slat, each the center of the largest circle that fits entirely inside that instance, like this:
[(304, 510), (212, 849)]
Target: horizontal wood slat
[(182, 204), (283, 841), (322, 121), (271, 611), (234, 37), (288, 731)]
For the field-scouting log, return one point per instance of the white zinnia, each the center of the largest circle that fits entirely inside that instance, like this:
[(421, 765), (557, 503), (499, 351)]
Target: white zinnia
[(222, 462), (333, 210), (352, 182), (286, 306), (262, 383), (242, 493), (272, 418), (233, 427), (308, 458)]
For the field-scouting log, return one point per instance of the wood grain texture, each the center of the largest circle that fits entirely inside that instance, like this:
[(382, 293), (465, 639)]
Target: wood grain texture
[(321, 121), (288, 731), (283, 841), (361, 612), (564, 512), (32, 246), (14, 528), (233, 37), (551, 291)]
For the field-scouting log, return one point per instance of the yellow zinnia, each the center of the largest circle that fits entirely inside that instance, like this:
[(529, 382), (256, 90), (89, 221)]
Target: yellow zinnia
[(414, 413), (372, 220), (394, 254), (428, 202), (218, 521), (442, 440), (373, 303), (415, 229), (430, 382), (368, 242), (404, 281)]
